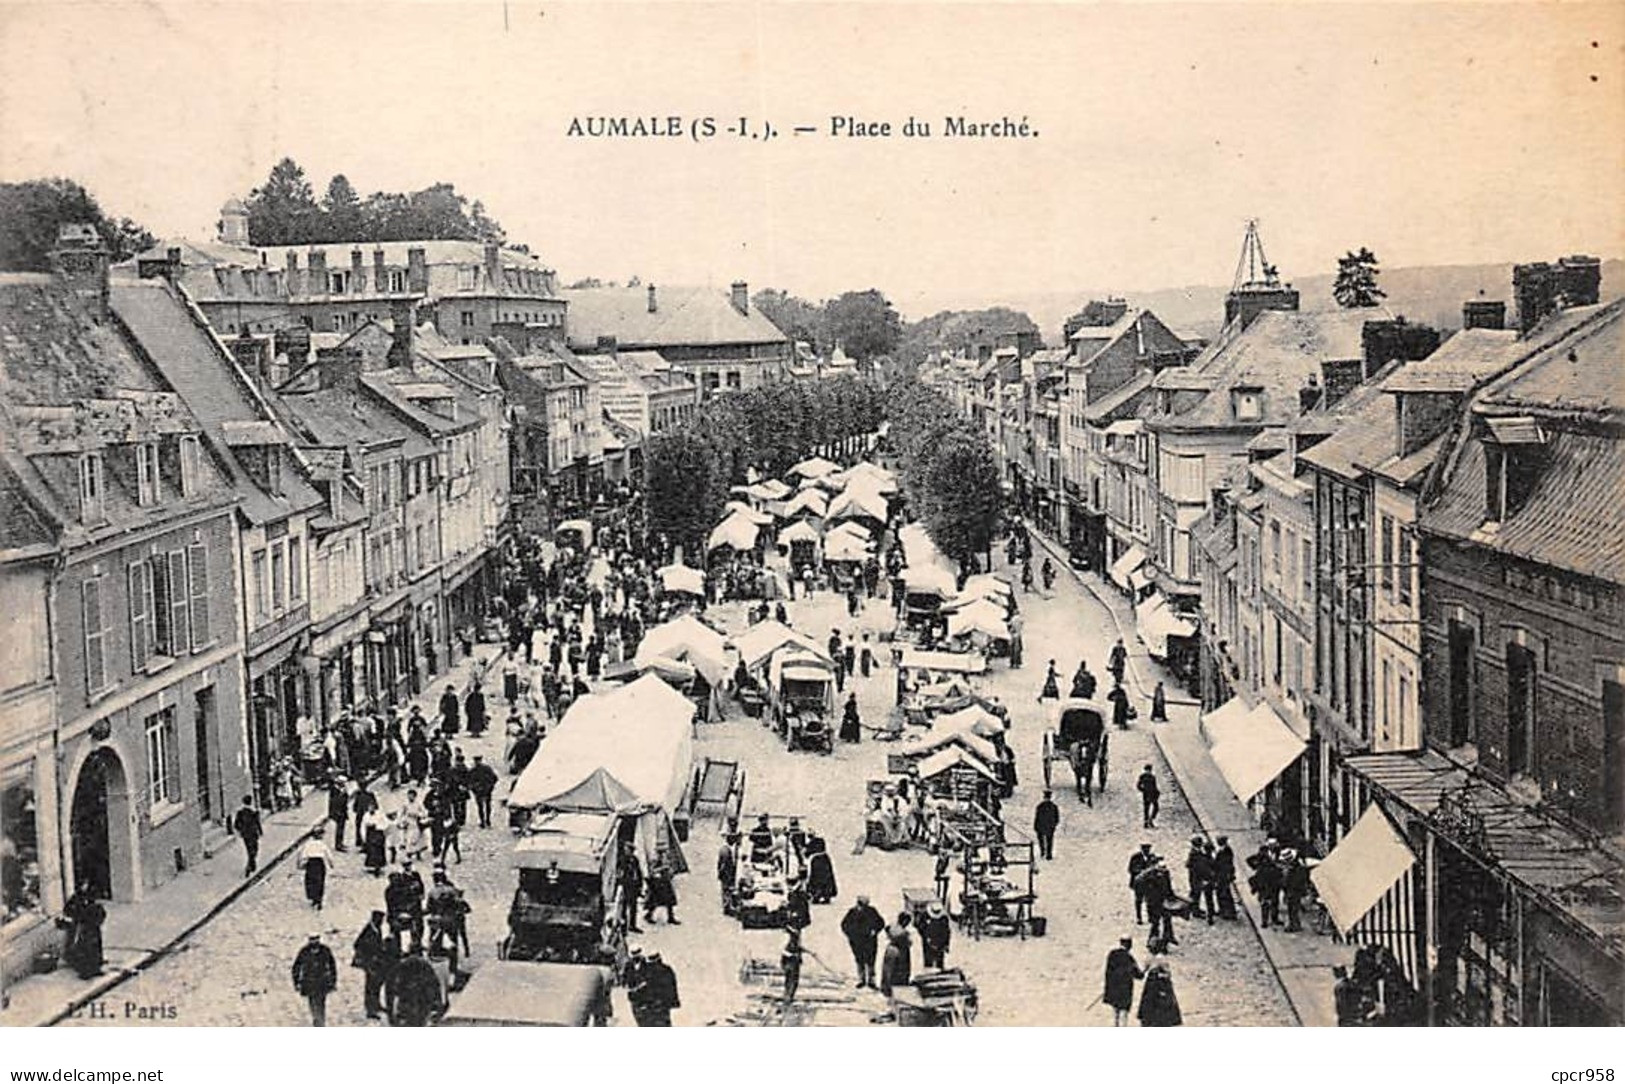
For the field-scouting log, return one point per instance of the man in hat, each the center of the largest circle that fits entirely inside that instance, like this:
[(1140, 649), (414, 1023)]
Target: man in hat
[(790, 966), (415, 993), (315, 975), (1150, 797), (1046, 818), (728, 870), (249, 829), (862, 926), (1138, 863), (1199, 870), (1117, 662), (1294, 885), (656, 993), (375, 955), (1224, 877), (450, 709), (1156, 884), (1121, 971), (935, 934), (482, 783), (403, 899), (338, 809)]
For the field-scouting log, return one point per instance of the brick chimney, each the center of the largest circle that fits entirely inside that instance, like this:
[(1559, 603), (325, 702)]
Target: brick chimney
[(1479, 313), (1579, 280), (654, 305), (294, 343), (402, 316), (380, 273), (741, 298), (296, 284), (1423, 416), (1385, 341), (172, 264), (417, 270), (493, 264), (1340, 376), (1250, 301), (317, 259), (357, 275), (338, 367), (80, 259)]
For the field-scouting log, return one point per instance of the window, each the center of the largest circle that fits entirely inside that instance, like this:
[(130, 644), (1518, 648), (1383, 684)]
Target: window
[(90, 599), (1249, 405), (279, 578), (1386, 572), (1522, 708), (146, 474), (296, 572), (91, 494), (169, 603), (466, 318), (1308, 568), (163, 759), (1406, 572), (139, 577), (262, 590), (733, 378), (190, 466), (197, 571), (397, 282), (19, 820), (1275, 550), (338, 282)]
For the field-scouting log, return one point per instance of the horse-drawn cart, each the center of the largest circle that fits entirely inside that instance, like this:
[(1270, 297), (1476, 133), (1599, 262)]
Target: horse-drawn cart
[(1077, 737)]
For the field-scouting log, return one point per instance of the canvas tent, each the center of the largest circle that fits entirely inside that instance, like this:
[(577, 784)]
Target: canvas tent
[(681, 579), (842, 546), (736, 533), (690, 640), (759, 642), (800, 531), (810, 501), (857, 502), (980, 617), (816, 467)]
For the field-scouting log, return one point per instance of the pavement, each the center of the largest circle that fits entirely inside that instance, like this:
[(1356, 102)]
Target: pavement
[(1302, 960), (139, 934)]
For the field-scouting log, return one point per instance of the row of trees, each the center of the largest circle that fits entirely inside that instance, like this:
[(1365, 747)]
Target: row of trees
[(861, 322), (948, 471), (285, 211), (31, 212), (688, 472)]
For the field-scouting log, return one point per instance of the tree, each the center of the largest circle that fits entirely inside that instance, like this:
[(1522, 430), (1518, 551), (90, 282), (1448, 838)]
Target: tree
[(798, 318), (864, 324), (341, 211), (684, 488), (283, 210), (1356, 286), (31, 212), (948, 470)]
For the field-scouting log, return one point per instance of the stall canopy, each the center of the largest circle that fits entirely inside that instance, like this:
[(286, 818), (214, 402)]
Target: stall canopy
[(797, 664), (982, 616), (1129, 562), (845, 546), (1156, 623), (816, 467), (1257, 750), (757, 643), (770, 490), (1218, 723), (1361, 868), (799, 531), (973, 718), (928, 580), (944, 737), (736, 532), (740, 508), (970, 662), (874, 477), (856, 502), (808, 500), (690, 640), (937, 763), (681, 578)]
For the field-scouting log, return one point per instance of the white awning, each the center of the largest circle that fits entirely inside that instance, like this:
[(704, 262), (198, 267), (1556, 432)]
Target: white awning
[(1256, 751), (799, 531), (1217, 724), (1156, 622), (1361, 868), (841, 546), (982, 617), (735, 532), (1133, 559), (1124, 427), (675, 578), (815, 467)]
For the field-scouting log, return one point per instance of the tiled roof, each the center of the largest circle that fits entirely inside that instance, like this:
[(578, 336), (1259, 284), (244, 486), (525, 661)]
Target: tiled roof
[(1407, 470), (683, 316), (1461, 363), (1362, 432), (344, 417), (1580, 365), (1120, 402), (1574, 519), (208, 381), (21, 525), (51, 350)]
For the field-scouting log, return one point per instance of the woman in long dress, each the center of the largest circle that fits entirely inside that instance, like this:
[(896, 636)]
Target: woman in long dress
[(821, 886), (315, 858), (373, 842), (897, 965), (1159, 1008)]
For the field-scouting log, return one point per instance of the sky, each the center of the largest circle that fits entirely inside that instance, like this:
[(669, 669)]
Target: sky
[(1432, 133)]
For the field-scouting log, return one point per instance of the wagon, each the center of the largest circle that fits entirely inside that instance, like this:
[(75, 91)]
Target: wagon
[(1076, 722)]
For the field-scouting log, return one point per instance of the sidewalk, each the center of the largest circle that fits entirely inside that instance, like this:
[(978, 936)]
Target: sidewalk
[(1302, 961), (138, 934)]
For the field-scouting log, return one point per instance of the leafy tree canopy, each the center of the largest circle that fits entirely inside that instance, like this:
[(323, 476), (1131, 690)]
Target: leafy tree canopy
[(284, 211), (1356, 284), (32, 211)]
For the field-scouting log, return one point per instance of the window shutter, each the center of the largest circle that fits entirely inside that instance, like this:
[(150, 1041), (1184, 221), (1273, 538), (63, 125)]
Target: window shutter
[(95, 650), (197, 564), (179, 604), (140, 616)]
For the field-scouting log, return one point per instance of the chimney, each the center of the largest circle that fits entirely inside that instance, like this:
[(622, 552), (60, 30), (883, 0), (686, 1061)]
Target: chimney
[(1423, 416), (1385, 341), (1248, 302), (172, 264), (1491, 315), (607, 344), (294, 343), (338, 367), (493, 264), (1579, 280), (380, 274), (357, 276), (317, 259), (249, 353), (741, 298), (1340, 376), (654, 306), (417, 270), (296, 285), (402, 315), (80, 259), (1309, 394)]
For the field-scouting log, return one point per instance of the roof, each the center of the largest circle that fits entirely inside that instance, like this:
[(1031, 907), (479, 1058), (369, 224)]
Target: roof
[(1461, 363), (683, 316), (341, 416), (1579, 365), (1276, 354), (21, 525), (1362, 433), (1120, 402)]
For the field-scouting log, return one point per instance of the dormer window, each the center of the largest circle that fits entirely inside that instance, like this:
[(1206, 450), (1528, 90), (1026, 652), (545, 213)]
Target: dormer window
[(146, 475), (92, 488), (1249, 404), (191, 466), (1512, 461)]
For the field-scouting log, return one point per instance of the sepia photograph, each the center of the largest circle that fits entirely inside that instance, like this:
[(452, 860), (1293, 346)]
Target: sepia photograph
[(740, 515)]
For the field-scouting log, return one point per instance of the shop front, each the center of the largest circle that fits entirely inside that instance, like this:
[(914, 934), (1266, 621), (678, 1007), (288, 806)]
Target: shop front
[(277, 697)]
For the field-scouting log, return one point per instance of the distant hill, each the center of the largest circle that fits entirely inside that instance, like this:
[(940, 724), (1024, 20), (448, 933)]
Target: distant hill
[(1430, 295)]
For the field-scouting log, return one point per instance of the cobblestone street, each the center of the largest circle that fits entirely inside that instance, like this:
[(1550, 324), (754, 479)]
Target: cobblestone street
[(234, 971)]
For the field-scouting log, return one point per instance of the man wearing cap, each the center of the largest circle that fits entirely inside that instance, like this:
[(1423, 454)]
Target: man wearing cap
[(862, 926), (1121, 971), (315, 975), (338, 809), (935, 934), (1046, 818), (482, 783), (1138, 863), (249, 829), (375, 955), (655, 995), (1150, 796)]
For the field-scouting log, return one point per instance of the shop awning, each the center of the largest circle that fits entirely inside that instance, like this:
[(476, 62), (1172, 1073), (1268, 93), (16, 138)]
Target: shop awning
[(680, 578), (1130, 561), (1256, 751), (799, 531), (1156, 623), (736, 532), (1217, 724), (1361, 868)]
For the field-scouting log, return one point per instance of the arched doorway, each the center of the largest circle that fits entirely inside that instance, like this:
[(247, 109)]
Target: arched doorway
[(101, 846)]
